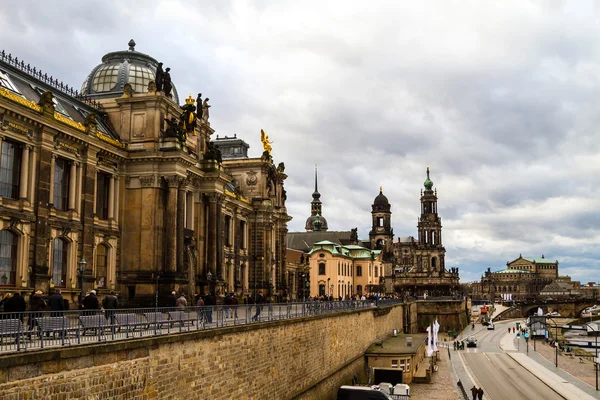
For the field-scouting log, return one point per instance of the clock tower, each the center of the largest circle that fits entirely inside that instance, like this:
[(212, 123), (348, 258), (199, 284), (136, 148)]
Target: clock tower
[(430, 230), (381, 234)]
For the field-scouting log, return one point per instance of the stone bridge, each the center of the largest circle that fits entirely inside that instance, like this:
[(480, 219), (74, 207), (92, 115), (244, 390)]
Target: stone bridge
[(567, 308)]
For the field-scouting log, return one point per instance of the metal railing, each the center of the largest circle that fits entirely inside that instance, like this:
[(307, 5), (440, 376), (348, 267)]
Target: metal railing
[(49, 80), (34, 330)]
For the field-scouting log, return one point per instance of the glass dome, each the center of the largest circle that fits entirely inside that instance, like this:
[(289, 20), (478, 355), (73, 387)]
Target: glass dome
[(118, 68)]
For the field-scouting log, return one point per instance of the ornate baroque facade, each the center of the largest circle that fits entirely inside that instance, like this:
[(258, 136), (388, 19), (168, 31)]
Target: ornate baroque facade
[(123, 177)]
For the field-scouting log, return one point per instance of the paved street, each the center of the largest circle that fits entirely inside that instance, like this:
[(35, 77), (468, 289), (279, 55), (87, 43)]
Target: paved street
[(489, 366)]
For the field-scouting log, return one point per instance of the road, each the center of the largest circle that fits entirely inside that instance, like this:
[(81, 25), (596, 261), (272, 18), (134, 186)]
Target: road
[(498, 374)]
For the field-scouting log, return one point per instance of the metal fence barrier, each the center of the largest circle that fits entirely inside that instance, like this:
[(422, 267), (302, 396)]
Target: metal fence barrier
[(27, 331)]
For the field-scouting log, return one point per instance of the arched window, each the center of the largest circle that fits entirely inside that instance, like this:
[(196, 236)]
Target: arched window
[(433, 262), (8, 257), (322, 269), (359, 289), (59, 262), (322, 289), (101, 265)]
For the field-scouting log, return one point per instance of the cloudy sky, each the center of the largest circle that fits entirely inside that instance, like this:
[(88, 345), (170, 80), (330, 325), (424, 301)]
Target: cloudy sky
[(499, 98)]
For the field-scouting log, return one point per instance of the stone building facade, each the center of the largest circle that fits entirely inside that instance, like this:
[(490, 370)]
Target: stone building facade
[(123, 177), (523, 278), (409, 265)]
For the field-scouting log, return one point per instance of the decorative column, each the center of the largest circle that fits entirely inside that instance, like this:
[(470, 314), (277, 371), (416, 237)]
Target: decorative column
[(52, 168), (72, 185), (213, 234), (111, 198), (24, 172), (32, 175), (171, 222), (116, 202), (181, 222), (80, 189)]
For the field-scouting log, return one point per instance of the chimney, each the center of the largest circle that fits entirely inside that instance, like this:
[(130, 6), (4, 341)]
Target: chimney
[(409, 341)]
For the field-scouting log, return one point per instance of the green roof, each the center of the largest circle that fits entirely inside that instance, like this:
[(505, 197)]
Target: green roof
[(326, 243), (352, 251), (540, 260)]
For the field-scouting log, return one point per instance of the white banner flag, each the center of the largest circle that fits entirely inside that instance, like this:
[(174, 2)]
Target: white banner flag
[(429, 349), (436, 328)]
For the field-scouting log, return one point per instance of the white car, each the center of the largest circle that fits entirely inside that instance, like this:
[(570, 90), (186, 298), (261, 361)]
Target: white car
[(491, 326)]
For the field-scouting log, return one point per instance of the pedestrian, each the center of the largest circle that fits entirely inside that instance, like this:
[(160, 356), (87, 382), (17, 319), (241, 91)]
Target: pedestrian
[(209, 301), (36, 306), (4, 300), (172, 300), (181, 302), (56, 303), (474, 392), (227, 303), (15, 306), (454, 344), (259, 300), (200, 305), (90, 303), (234, 305), (110, 303), (480, 394)]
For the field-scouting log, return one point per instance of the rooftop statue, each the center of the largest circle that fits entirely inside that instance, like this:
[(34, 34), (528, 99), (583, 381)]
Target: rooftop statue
[(189, 116), (264, 138), (199, 106), (205, 107), (159, 77), (166, 82)]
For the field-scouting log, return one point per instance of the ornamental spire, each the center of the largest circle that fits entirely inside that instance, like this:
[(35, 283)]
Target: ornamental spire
[(428, 183)]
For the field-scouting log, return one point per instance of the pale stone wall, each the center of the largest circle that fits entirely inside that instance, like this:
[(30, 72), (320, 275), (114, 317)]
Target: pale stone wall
[(306, 358)]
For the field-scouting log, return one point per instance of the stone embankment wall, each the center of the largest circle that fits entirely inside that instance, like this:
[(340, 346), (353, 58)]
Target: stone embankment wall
[(451, 314), (306, 358)]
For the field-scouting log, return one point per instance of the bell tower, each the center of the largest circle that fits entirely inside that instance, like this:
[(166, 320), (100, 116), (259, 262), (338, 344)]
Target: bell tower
[(381, 234), (430, 227)]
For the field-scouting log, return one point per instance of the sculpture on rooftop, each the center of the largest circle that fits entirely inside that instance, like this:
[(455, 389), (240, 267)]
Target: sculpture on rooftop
[(189, 115), (159, 77), (213, 153), (205, 107), (166, 83), (264, 138), (199, 110)]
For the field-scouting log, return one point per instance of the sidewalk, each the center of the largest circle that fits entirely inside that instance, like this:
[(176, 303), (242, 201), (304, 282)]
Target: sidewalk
[(583, 371), (442, 386), (562, 382), (552, 380)]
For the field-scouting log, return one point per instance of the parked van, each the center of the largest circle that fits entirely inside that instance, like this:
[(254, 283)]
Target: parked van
[(361, 393)]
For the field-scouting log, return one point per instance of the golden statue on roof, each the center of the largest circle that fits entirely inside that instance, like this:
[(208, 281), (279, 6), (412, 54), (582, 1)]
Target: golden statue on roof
[(264, 138)]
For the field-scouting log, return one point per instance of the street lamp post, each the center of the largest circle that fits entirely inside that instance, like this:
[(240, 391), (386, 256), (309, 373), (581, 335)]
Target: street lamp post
[(81, 271), (209, 278), (555, 340), (596, 344)]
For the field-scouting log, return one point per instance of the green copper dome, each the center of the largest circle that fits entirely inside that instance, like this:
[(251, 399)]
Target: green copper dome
[(428, 184)]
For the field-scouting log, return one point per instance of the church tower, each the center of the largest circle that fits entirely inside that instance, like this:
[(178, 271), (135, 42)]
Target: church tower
[(315, 210), (381, 234), (430, 230)]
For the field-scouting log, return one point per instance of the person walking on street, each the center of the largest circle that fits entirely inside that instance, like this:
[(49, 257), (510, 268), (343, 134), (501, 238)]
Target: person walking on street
[(259, 301), (16, 306), (90, 303), (209, 301), (474, 392), (227, 303), (110, 303), (181, 302), (201, 311), (480, 393), (172, 300), (36, 306), (56, 303), (234, 302)]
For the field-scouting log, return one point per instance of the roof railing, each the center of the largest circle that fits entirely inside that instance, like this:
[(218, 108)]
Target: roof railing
[(49, 80)]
